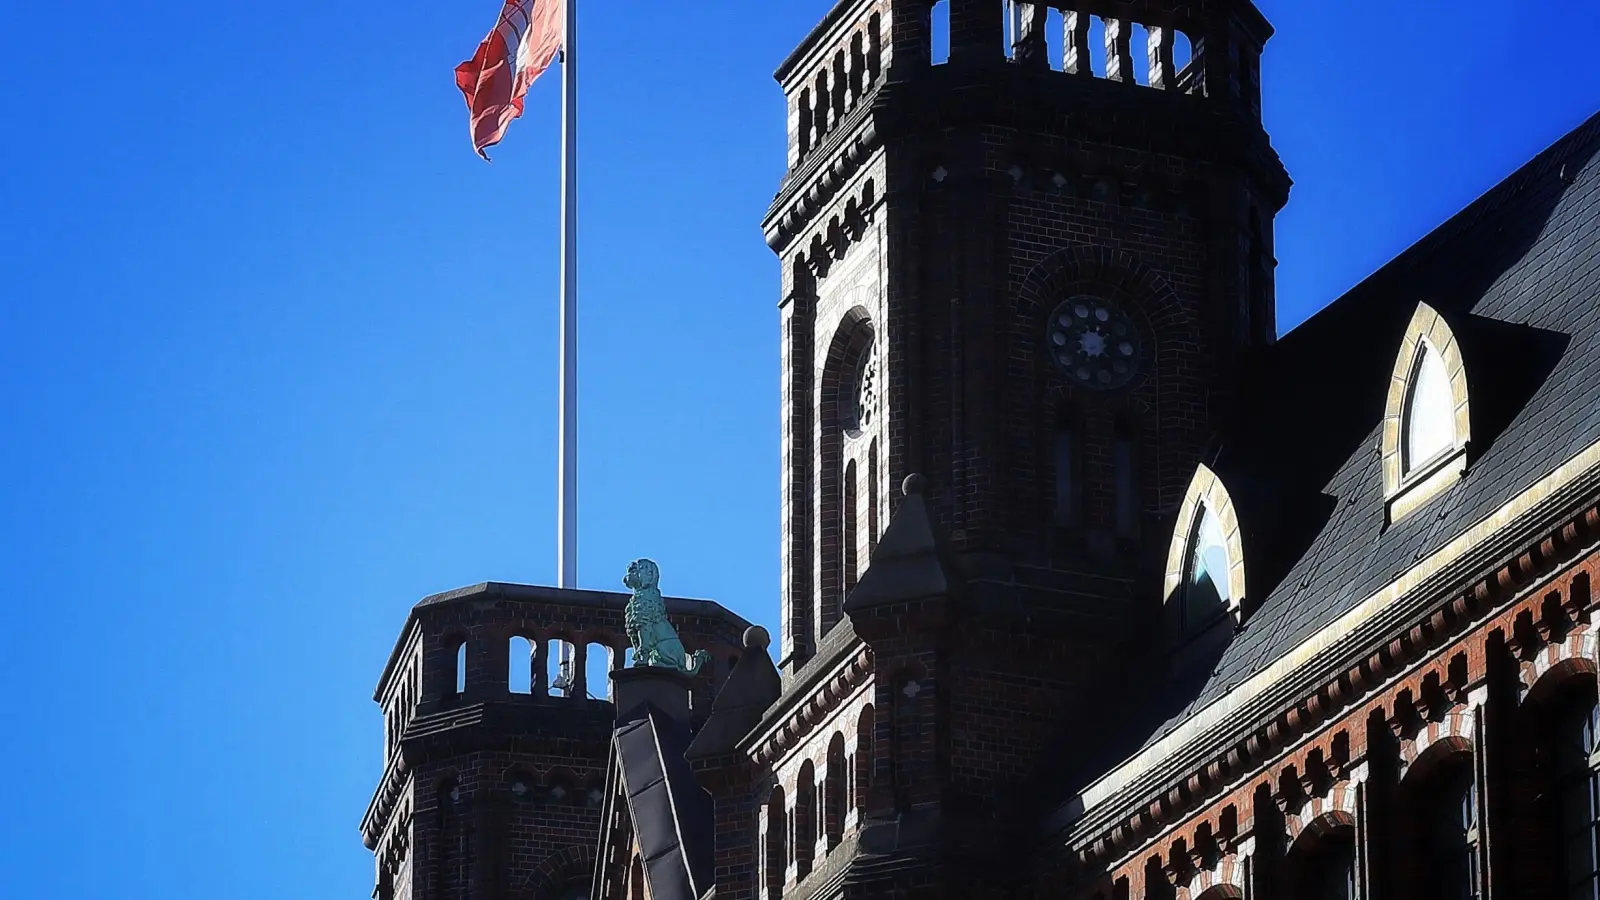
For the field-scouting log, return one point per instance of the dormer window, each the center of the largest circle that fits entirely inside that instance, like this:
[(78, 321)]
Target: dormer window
[(1430, 413), (1205, 590), (1205, 562), (1427, 420)]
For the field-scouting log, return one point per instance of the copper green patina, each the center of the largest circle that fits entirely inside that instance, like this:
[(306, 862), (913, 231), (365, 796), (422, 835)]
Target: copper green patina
[(655, 642)]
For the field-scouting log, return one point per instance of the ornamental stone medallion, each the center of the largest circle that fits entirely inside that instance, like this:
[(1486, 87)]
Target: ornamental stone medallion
[(1093, 342)]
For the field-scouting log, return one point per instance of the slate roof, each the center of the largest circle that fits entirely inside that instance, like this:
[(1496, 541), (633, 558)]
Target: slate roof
[(672, 816), (1516, 275)]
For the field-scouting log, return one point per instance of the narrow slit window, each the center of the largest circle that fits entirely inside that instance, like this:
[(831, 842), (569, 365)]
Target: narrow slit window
[(461, 668), (1127, 482), (1430, 428), (1066, 463)]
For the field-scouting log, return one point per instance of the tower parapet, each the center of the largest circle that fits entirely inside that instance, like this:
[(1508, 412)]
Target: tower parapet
[(494, 755)]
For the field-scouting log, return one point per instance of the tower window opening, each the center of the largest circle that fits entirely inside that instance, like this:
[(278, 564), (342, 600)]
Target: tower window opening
[(597, 665), (1097, 45), (858, 66), (461, 668), (519, 676), (561, 674), (1055, 38), (1138, 44), (807, 123), (851, 537), (939, 31), (874, 49), (1182, 51), (872, 500)]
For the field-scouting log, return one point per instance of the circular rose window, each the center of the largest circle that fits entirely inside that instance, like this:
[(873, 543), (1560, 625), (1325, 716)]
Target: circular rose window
[(863, 398), (1093, 342)]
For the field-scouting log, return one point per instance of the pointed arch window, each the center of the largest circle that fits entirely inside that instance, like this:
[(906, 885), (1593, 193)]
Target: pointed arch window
[(1205, 563), (1427, 420), (1430, 422), (1206, 591)]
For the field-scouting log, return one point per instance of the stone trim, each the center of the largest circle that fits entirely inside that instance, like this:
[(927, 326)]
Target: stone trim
[(1579, 650), (1456, 728)]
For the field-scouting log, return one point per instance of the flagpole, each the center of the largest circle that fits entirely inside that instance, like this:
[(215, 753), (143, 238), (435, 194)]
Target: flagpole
[(567, 463)]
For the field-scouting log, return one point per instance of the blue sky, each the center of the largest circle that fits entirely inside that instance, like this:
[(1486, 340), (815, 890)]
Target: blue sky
[(277, 358)]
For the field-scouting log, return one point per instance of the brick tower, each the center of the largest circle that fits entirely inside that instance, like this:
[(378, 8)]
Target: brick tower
[(1025, 252), (1026, 272), (495, 759)]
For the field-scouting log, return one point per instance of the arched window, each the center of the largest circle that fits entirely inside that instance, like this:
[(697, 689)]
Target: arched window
[(805, 818), (1430, 427), (1327, 871), (1206, 590), (460, 673), (1450, 836), (776, 846), (1577, 792), (1205, 576), (836, 796)]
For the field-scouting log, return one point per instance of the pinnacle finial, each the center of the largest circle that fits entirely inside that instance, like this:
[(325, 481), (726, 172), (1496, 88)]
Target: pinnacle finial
[(913, 484)]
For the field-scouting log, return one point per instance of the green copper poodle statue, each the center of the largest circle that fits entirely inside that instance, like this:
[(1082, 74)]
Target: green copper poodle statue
[(655, 642)]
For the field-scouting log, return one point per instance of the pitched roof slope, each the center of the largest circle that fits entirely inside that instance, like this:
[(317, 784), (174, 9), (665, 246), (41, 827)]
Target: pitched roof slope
[(1517, 277)]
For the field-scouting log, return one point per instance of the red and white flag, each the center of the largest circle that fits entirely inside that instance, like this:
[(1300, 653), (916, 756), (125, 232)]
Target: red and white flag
[(517, 51)]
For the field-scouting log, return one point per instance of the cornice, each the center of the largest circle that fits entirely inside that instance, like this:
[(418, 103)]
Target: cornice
[(812, 185), (1040, 103), (491, 725), (811, 697)]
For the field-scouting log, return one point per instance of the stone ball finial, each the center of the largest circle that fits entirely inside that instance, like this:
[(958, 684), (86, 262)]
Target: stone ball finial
[(756, 638), (913, 484)]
